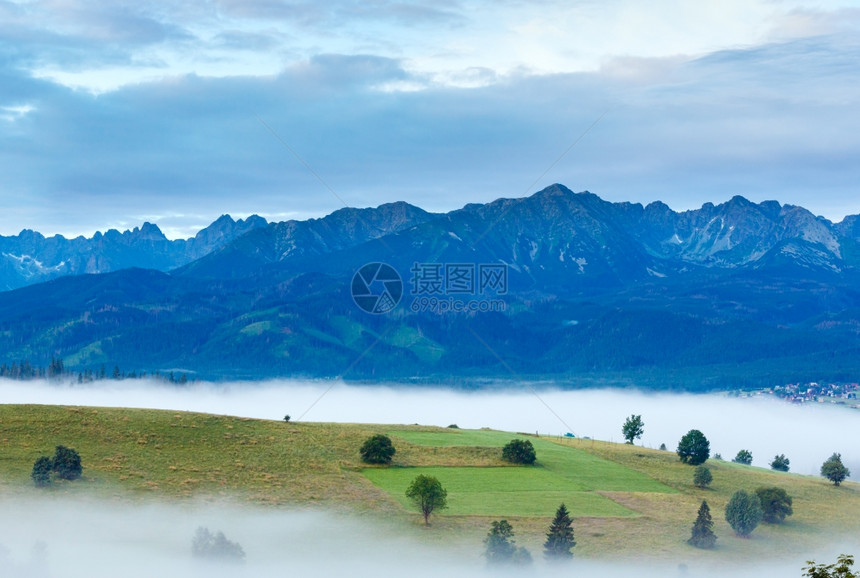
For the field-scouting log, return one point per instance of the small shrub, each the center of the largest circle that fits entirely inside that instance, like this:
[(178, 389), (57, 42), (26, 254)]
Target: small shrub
[(702, 477), (67, 463), (519, 452), (42, 472), (377, 449), (453, 426)]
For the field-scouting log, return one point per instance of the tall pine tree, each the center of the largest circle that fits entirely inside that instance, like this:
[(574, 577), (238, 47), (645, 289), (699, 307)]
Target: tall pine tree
[(559, 539), (703, 529)]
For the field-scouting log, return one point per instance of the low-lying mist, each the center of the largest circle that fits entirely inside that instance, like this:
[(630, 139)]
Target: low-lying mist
[(51, 537), (806, 434)]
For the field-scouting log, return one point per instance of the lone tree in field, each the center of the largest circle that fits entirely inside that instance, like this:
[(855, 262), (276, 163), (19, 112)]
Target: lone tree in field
[(780, 463), (702, 477), (694, 448), (744, 457), (428, 495), (519, 452), (67, 463), (42, 472), (775, 503), (743, 513), (559, 539), (377, 449), (501, 548), (633, 428), (703, 529), (834, 470), (841, 569)]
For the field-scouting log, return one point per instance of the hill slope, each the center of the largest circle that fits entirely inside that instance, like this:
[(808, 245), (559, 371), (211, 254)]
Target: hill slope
[(629, 501)]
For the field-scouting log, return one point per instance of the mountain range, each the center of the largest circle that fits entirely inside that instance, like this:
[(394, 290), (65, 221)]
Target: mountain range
[(727, 295)]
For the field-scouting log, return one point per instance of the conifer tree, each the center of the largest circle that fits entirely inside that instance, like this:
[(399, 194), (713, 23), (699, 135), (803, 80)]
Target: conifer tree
[(559, 539), (703, 529)]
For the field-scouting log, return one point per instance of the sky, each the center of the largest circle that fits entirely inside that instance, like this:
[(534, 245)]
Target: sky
[(115, 113)]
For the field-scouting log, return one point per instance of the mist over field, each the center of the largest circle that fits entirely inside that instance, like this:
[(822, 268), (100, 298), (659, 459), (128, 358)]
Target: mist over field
[(53, 537), (806, 434)]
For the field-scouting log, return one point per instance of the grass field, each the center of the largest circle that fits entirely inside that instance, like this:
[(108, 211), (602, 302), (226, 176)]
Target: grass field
[(626, 500)]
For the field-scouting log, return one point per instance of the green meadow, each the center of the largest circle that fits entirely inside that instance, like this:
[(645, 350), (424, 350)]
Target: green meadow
[(625, 500)]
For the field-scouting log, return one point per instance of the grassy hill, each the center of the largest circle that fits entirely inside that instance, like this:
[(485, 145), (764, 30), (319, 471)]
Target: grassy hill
[(626, 500)]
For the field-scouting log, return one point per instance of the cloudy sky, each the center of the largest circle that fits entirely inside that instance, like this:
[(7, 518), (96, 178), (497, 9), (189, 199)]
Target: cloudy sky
[(114, 113)]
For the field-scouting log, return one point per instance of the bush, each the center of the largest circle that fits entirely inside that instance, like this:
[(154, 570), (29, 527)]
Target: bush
[(215, 547), (780, 463), (519, 452), (743, 513), (42, 472), (67, 463), (744, 457), (775, 504), (663, 447), (377, 449), (702, 477), (694, 448)]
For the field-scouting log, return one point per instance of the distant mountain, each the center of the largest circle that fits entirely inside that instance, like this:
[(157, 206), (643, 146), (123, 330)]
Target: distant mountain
[(29, 257), (726, 295)]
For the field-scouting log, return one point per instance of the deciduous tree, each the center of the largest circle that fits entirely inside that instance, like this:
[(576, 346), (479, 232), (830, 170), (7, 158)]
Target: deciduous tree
[(633, 428), (743, 513), (428, 495), (744, 457), (834, 470), (702, 477), (775, 504), (41, 473), (67, 463), (841, 569), (694, 448), (519, 452), (780, 463), (377, 449)]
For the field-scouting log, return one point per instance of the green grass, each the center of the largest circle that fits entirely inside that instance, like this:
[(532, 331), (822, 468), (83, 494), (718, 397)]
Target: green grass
[(502, 492), (626, 500)]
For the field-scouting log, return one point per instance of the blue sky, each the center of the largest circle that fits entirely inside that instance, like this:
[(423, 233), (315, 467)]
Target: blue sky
[(115, 113)]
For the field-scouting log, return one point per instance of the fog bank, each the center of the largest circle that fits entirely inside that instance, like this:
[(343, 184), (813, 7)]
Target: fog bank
[(49, 537), (806, 434)]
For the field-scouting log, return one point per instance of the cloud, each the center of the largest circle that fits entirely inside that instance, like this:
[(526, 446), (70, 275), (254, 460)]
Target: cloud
[(764, 426)]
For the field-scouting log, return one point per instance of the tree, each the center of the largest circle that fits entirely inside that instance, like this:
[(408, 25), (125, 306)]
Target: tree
[(633, 428), (42, 472), (67, 463), (744, 457), (834, 470), (559, 539), (703, 529), (377, 449), (501, 548), (780, 463), (694, 448), (428, 495), (775, 504), (207, 545), (519, 452), (287, 418), (841, 569), (743, 513), (702, 477)]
